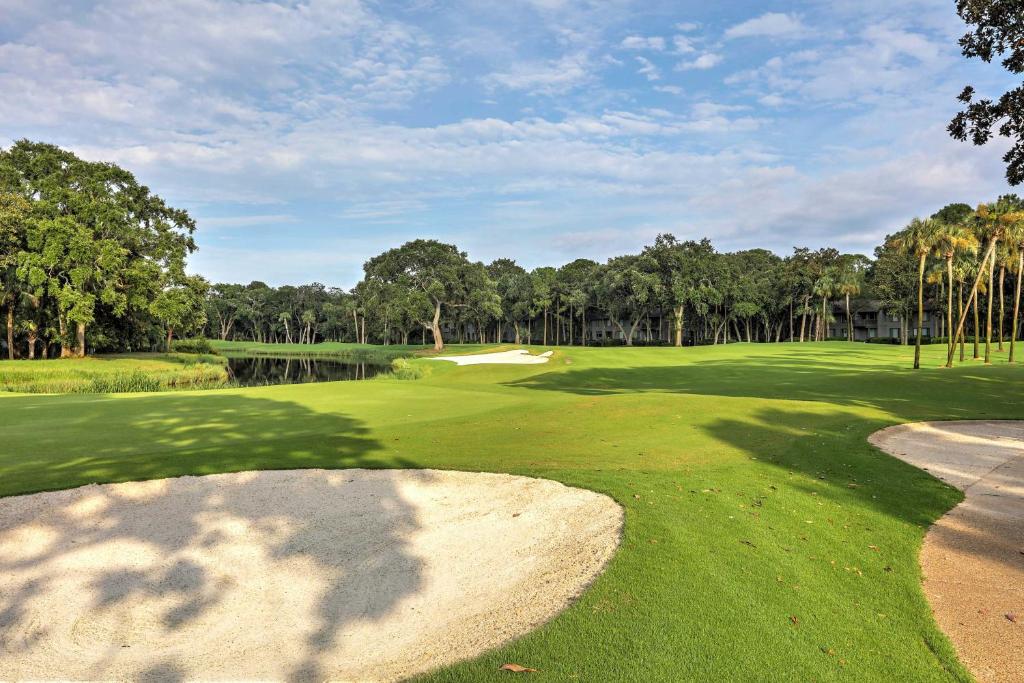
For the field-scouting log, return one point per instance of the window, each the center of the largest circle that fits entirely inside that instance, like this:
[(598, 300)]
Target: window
[(894, 333)]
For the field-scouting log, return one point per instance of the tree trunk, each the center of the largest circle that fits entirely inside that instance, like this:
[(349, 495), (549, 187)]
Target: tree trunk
[(32, 344), (920, 312), (545, 326), (974, 299), (572, 319), (988, 321), (10, 330), (960, 313), (679, 325), (80, 349), (803, 317), (1016, 303), (950, 339), (1002, 313), (170, 335), (790, 320), (435, 327), (515, 326), (849, 320)]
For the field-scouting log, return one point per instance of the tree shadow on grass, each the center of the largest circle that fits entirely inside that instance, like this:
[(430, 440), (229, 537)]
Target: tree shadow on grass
[(960, 392), (55, 442), (159, 577), (853, 475)]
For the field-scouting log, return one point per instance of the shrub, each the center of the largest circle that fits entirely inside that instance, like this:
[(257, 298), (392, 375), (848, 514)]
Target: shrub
[(653, 342), (403, 368), (193, 346)]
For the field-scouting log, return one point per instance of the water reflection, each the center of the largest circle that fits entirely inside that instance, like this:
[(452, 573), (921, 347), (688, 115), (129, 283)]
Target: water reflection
[(262, 370)]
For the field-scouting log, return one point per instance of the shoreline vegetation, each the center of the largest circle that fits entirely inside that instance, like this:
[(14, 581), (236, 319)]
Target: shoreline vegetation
[(115, 374), (185, 371)]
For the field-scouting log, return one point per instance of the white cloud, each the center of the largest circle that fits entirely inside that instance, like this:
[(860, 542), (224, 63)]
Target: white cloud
[(772, 100), (708, 60), (648, 69), (687, 26), (770, 24), (670, 89), (656, 43), (550, 77), (683, 45)]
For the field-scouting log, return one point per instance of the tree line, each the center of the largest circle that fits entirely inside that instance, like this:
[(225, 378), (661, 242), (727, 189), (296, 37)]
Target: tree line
[(672, 291), (89, 258), (92, 260)]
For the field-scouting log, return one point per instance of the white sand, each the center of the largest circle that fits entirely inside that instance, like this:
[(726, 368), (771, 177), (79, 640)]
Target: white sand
[(973, 558), (301, 575), (517, 357)]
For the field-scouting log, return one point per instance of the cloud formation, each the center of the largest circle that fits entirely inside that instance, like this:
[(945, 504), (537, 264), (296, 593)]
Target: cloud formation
[(328, 130)]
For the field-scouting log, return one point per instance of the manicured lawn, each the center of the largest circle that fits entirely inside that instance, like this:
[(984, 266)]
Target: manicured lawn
[(113, 373), (765, 539)]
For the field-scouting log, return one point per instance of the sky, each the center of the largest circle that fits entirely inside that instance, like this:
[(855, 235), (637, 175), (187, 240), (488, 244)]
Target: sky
[(307, 136)]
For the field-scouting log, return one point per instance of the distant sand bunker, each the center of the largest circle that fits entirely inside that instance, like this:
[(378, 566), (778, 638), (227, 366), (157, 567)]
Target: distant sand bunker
[(517, 357), (973, 558), (302, 575)]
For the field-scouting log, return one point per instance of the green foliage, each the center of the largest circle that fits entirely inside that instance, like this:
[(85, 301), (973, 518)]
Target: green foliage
[(403, 368), (92, 248), (193, 346), (996, 31)]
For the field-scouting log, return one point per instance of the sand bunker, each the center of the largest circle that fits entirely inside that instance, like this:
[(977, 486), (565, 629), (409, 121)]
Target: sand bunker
[(973, 558), (517, 357), (300, 575)]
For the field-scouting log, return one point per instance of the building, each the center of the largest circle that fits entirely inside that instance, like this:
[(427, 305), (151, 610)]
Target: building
[(869, 321)]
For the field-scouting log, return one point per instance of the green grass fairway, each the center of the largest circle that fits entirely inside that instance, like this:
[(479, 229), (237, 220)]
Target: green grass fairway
[(764, 540)]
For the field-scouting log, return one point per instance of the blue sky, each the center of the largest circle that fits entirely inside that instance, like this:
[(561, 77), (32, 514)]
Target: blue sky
[(307, 136)]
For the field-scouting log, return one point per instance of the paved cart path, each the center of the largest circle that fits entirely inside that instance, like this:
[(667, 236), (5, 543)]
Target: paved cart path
[(973, 558)]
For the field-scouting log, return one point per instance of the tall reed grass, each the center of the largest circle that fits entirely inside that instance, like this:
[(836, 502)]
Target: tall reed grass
[(114, 375)]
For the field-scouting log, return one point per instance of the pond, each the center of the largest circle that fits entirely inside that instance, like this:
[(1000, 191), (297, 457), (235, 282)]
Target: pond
[(255, 371)]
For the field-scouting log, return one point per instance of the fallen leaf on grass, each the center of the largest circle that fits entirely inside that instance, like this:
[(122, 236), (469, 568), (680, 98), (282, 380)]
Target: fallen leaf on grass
[(793, 620), (516, 668)]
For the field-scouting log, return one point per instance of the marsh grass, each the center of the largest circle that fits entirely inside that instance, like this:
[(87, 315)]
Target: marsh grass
[(341, 352), (403, 368), (115, 374)]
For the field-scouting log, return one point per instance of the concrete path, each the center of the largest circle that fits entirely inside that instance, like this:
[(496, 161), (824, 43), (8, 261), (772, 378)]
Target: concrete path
[(973, 558)]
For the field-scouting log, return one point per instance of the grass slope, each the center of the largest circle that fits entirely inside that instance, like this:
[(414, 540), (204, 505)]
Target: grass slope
[(764, 540)]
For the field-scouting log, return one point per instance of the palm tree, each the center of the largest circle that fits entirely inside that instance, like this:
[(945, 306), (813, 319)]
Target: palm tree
[(992, 223), (849, 283), (284, 317), (1015, 239), (825, 287), (918, 239), (952, 239), (961, 271)]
